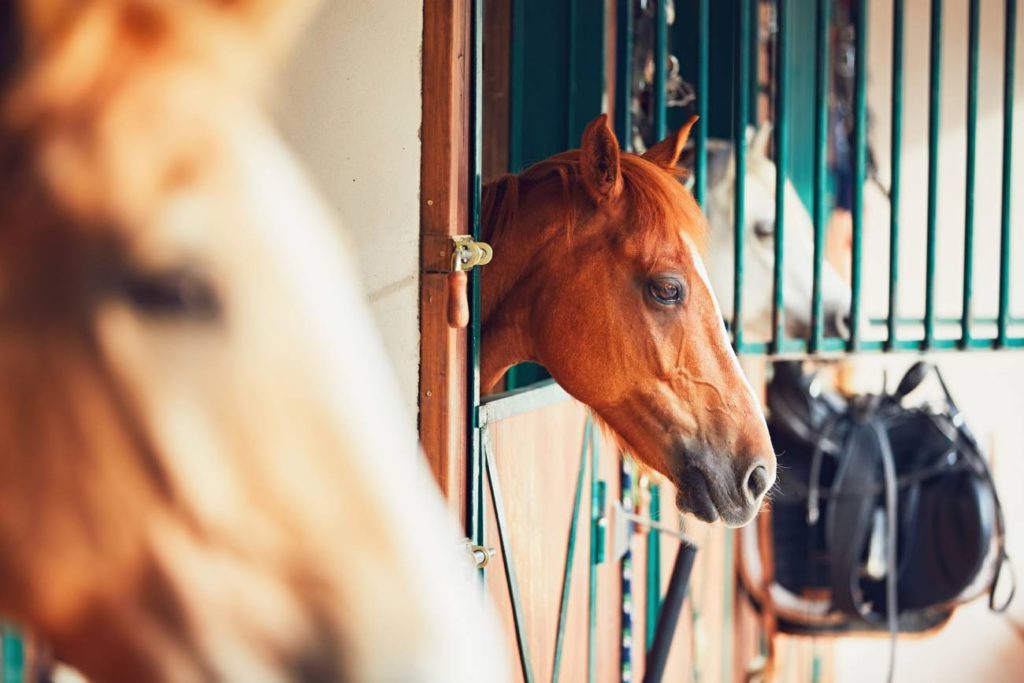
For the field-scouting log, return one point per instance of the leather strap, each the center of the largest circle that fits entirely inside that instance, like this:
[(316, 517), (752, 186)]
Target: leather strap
[(849, 517), (969, 446)]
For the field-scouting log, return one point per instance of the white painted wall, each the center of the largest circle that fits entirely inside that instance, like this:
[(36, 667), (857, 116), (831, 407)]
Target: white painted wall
[(349, 104)]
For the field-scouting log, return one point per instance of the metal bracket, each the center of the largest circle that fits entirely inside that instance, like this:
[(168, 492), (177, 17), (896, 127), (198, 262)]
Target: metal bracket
[(621, 532), (467, 253), (479, 555)]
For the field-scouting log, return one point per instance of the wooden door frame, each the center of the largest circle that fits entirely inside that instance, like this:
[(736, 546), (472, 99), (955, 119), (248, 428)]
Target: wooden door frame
[(444, 188)]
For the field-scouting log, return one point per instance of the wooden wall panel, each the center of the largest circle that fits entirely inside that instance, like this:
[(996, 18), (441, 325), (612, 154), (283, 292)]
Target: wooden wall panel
[(537, 459)]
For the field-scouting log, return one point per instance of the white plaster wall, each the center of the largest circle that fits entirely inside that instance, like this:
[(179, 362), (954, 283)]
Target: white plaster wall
[(977, 645), (349, 103)]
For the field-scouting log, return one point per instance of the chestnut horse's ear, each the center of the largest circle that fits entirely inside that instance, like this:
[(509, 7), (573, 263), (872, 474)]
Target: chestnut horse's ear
[(667, 152), (599, 161)]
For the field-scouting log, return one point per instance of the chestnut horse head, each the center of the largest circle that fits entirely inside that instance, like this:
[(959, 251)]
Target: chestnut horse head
[(205, 473), (597, 275)]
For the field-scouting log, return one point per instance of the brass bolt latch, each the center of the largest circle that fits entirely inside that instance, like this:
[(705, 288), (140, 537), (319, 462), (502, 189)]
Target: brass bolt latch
[(467, 254)]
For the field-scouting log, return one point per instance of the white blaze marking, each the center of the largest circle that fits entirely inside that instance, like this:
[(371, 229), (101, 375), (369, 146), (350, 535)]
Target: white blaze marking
[(698, 265)]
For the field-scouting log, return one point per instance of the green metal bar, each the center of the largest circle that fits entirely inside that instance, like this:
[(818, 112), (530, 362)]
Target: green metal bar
[(520, 401), (653, 568), (754, 56), (12, 656), (781, 164), (833, 346), (860, 165), (1009, 58), (972, 133), (498, 502), (624, 75), (474, 461), (700, 189), (821, 90), (596, 516), (572, 136), (896, 172), (517, 51), (946, 320), (934, 106), (742, 95), (660, 64), (570, 552)]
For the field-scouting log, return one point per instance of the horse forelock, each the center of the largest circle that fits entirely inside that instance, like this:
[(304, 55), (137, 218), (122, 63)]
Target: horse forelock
[(660, 212)]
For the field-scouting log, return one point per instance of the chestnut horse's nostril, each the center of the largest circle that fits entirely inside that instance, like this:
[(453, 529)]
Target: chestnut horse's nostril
[(757, 482)]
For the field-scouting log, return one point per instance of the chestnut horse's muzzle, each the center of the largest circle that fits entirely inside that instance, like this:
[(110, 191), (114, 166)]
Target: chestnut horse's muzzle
[(712, 486)]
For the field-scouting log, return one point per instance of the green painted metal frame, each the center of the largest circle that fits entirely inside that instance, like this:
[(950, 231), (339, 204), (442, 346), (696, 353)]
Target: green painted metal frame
[(1009, 63), (816, 342), (660, 107), (700, 189), (653, 581), (896, 172), (475, 522), (823, 21), (934, 109), (12, 655), (781, 165), (974, 13), (740, 113), (860, 165)]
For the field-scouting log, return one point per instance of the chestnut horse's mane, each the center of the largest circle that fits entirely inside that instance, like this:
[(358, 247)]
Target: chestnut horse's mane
[(660, 208)]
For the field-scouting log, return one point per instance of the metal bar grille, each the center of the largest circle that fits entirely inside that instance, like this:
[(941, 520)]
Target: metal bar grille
[(934, 108), (740, 116), (1009, 58), (896, 142), (781, 163)]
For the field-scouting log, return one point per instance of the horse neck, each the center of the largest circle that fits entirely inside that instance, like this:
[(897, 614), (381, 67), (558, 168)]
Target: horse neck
[(509, 283)]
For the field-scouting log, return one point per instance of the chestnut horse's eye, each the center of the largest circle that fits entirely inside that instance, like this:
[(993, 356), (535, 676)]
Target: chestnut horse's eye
[(181, 293), (666, 290)]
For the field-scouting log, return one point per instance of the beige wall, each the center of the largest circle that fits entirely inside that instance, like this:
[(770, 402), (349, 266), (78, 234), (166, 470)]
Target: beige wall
[(977, 645), (349, 103)]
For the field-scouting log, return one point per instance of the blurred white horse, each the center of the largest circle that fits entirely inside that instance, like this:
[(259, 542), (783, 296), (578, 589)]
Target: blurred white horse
[(205, 470), (760, 247)]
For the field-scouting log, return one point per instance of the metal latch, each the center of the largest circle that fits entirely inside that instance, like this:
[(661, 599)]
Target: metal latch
[(467, 253)]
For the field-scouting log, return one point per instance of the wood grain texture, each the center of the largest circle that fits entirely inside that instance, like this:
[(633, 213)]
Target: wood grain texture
[(443, 211), (497, 40), (537, 457)]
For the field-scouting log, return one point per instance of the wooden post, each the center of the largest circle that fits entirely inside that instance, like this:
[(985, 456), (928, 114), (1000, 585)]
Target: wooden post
[(443, 212)]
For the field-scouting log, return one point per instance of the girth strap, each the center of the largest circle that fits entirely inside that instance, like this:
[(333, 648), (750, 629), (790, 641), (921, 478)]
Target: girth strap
[(866, 457)]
